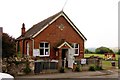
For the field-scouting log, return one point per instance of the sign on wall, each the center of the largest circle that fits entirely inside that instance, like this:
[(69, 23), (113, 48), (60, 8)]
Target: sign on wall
[(36, 52), (83, 61)]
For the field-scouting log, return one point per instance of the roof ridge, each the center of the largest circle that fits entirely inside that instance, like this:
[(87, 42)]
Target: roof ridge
[(42, 23)]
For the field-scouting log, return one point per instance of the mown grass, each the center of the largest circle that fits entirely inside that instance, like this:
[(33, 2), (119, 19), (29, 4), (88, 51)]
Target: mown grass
[(108, 65), (88, 55)]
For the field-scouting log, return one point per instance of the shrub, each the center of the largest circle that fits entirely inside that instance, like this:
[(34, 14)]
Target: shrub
[(78, 68), (99, 68), (18, 62), (62, 70), (27, 69), (92, 68)]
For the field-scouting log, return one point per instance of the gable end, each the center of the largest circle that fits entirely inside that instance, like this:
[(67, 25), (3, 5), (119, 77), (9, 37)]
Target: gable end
[(69, 21)]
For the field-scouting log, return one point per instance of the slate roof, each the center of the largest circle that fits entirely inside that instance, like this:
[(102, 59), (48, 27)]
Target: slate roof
[(37, 27)]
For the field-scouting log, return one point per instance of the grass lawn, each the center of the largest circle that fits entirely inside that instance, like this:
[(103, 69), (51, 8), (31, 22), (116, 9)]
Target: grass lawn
[(108, 65), (88, 55)]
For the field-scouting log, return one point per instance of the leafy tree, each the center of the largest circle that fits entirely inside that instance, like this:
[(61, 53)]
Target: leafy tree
[(102, 50), (8, 45), (118, 51), (86, 51)]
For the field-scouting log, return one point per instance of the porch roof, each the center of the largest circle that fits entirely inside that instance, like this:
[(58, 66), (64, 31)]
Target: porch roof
[(64, 43)]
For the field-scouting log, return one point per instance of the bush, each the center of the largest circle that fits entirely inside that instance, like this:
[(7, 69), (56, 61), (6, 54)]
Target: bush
[(18, 62), (27, 70), (62, 70), (99, 68), (92, 68), (78, 69)]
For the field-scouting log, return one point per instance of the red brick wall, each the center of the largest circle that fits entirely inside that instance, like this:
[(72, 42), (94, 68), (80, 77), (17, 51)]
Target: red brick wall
[(25, 47), (53, 35)]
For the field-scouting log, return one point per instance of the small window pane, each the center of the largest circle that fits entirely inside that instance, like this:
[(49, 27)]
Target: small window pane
[(41, 44), (76, 45), (76, 51), (46, 45), (41, 51), (46, 52)]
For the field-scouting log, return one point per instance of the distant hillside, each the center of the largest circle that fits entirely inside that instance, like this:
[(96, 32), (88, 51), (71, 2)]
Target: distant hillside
[(91, 49), (115, 49)]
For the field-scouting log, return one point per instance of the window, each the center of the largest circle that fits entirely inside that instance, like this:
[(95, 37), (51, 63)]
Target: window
[(44, 49), (76, 48), (28, 47)]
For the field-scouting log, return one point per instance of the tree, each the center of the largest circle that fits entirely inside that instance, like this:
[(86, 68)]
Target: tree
[(8, 45), (86, 51), (118, 52), (102, 50)]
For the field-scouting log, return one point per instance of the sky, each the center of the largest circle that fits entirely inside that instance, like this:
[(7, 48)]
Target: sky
[(96, 19)]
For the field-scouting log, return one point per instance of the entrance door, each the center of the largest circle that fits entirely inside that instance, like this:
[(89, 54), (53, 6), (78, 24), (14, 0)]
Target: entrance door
[(65, 57)]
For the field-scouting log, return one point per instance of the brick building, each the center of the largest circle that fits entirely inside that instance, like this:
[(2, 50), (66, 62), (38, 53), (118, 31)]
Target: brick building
[(55, 38)]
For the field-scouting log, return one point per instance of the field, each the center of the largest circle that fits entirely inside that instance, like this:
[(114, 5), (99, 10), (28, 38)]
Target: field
[(88, 55), (105, 63)]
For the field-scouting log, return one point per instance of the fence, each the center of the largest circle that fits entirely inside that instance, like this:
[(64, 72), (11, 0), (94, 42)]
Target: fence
[(41, 65), (96, 61)]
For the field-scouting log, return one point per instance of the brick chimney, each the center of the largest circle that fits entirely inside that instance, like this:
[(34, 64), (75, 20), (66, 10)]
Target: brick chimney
[(23, 29)]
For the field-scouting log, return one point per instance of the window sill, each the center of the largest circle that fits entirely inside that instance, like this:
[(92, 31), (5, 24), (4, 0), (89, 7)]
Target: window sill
[(76, 54), (44, 55)]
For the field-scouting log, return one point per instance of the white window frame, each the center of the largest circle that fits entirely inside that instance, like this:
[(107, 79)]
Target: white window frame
[(75, 48), (44, 49)]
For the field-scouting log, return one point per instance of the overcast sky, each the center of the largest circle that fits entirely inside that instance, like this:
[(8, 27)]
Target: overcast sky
[(96, 19)]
